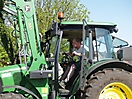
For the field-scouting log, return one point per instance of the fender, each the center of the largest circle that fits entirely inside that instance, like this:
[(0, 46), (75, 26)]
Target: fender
[(109, 64)]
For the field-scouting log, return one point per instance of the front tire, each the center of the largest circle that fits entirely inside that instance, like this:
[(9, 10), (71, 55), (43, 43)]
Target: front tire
[(109, 84)]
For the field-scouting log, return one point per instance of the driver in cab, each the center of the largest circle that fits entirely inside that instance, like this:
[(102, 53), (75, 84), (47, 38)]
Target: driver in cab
[(77, 50)]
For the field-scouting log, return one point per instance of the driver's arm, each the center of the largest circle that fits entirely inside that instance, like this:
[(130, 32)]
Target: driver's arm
[(76, 53)]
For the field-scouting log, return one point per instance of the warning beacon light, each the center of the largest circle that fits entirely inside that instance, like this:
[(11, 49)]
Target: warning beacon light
[(60, 15)]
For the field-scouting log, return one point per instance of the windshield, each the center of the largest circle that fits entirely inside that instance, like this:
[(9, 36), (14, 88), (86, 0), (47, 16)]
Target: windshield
[(104, 44)]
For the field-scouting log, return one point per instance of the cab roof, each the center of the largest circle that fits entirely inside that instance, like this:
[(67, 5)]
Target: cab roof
[(73, 29), (78, 25)]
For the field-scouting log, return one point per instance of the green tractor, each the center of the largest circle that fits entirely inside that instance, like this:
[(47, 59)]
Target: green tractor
[(40, 64)]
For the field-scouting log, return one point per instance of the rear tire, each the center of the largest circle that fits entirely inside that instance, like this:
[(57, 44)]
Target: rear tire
[(12, 96), (109, 84)]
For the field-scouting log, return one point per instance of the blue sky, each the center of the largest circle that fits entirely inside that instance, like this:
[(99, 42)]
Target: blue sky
[(116, 11)]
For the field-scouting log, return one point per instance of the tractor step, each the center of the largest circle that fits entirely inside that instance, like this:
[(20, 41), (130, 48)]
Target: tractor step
[(64, 92), (37, 74)]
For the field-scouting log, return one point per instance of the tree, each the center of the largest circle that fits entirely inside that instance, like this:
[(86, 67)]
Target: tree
[(47, 10), (7, 44)]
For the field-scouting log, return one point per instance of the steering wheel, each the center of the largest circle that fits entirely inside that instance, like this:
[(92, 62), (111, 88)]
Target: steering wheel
[(66, 60)]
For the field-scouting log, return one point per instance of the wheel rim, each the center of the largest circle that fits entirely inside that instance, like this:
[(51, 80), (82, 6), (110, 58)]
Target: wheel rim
[(116, 91)]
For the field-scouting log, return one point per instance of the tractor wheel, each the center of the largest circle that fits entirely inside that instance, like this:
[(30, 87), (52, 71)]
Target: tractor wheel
[(109, 84), (12, 96)]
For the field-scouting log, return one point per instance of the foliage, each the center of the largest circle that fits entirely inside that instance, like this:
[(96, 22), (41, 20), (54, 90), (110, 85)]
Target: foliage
[(47, 11), (7, 45), (65, 47)]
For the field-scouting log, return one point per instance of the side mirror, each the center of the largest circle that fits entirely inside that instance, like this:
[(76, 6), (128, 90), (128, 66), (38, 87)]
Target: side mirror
[(125, 54), (120, 54)]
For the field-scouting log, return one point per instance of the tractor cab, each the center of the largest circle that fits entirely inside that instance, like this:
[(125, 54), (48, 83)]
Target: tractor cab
[(97, 45)]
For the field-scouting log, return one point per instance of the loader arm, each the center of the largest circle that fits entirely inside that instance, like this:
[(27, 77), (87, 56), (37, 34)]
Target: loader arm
[(28, 42), (31, 75)]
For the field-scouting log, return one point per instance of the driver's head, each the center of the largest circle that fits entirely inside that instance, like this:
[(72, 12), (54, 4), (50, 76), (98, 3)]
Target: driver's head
[(76, 43)]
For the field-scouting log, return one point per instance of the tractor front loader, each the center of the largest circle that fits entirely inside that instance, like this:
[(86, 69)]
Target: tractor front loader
[(28, 78), (40, 65)]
